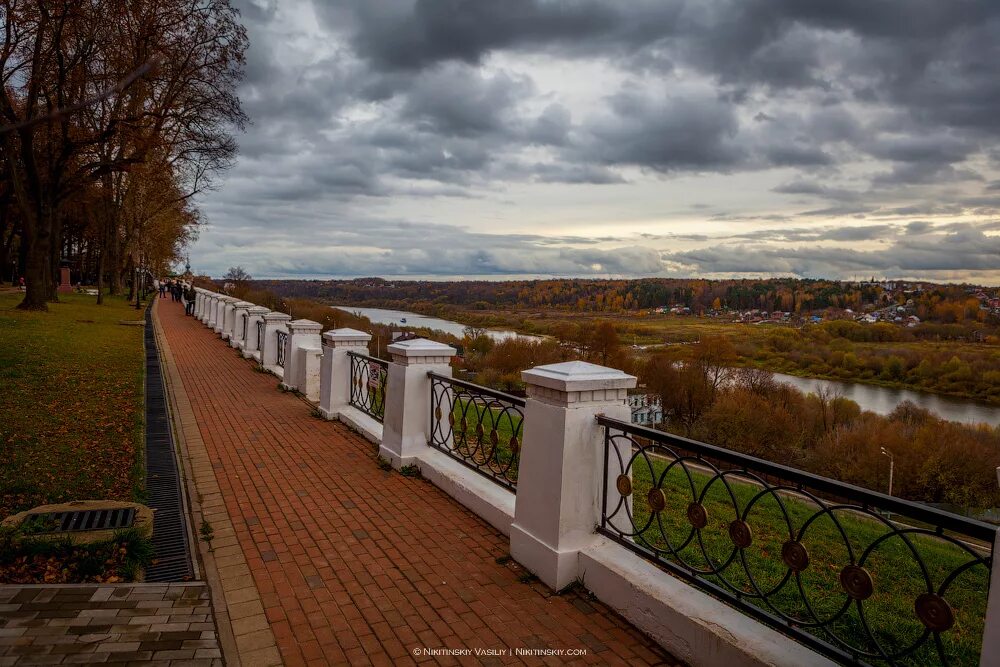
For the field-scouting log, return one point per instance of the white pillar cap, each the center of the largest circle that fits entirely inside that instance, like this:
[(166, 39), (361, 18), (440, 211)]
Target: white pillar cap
[(578, 383), (275, 316), (346, 336), (258, 310), (228, 299), (421, 350), (242, 304), (578, 376), (304, 326)]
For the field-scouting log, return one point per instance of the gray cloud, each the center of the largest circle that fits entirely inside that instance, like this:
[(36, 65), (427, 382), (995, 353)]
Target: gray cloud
[(833, 118)]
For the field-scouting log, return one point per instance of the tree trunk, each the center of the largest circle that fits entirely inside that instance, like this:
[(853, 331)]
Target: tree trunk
[(36, 270), (100, 274), (55, 257)]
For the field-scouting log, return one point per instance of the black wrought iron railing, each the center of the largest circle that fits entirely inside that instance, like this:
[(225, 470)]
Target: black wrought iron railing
[(478, 426), (859, 576), (246, 323), (368, 380), (281, 336), (260, 335)]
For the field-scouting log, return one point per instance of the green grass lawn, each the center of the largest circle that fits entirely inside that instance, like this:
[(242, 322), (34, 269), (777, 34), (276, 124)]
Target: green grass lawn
[(71, 402), (894, 569)]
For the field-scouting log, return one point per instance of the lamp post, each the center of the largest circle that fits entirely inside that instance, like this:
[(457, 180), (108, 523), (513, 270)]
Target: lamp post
[(886, 452)]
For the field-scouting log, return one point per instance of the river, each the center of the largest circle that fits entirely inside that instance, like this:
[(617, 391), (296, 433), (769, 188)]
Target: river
[(416, 320), (881, 400)]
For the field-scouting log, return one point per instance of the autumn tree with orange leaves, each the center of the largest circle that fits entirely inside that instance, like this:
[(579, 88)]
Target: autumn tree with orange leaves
[(114, 114)]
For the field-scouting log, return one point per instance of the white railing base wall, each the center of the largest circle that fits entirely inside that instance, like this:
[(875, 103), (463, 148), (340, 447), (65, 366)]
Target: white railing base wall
[(551, 519), (695, 627)]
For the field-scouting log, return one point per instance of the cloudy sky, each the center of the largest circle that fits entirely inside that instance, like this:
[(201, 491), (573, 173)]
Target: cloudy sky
[(470, 138)]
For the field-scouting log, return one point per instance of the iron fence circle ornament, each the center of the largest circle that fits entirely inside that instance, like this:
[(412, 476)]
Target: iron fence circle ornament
[(451, 419), (624, 485), (934, 612), (494, 437), (795, 556), (514, 444), (741, 534), (697, 515), (857, 582), (657, 500), (437, 413)]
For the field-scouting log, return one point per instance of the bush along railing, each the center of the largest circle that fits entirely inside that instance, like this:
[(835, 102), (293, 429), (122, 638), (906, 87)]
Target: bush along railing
[(862, 577), (477, 426), (281, 337), (368, 380)]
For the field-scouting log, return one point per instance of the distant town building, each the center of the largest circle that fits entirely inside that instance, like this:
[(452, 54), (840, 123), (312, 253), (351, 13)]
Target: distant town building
[(646, 409)]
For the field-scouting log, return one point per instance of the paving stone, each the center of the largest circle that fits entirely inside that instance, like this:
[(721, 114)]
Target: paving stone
[(323, 530), (94, 634)]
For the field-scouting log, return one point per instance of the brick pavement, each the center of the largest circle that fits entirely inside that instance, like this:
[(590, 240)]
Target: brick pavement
[(355, 565), (156, 624)]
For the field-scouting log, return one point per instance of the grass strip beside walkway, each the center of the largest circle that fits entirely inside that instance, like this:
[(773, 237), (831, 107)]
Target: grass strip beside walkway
[(71, 402)]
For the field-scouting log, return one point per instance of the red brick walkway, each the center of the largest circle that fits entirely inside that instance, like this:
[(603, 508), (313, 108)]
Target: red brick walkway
[(357, 565)]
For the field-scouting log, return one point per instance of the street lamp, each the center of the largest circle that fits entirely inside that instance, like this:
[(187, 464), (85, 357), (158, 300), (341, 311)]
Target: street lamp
[(886, 452)]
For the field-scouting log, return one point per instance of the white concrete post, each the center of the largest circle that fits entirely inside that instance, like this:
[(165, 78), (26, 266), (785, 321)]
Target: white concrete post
[(406, 425), (335, 370), (226, 324), (240, 314), (217, 306), (197, 302), (202, 303), (213, 302), (251, 346), (273, 322), (301, 334), (560, 476), (990, 655)]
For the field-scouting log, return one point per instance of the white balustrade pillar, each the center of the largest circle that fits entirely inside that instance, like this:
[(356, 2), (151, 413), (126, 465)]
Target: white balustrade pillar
[(197, 302), (251, 346), (990, 655), (210, 311), (406, 424), (240, 324), (335, 369), (224, 327), (302, 335), (206, 303), (560, 476), (273, 322), (203, 303), (213, 317)]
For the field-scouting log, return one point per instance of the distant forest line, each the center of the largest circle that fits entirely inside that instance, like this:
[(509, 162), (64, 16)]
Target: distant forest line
[(937, 302)]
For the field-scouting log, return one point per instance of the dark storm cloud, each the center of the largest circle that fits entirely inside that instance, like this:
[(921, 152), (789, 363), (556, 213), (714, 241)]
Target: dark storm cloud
[(872, 110), (420, 58)]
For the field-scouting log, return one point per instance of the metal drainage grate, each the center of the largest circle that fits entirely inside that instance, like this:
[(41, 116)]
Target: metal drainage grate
[(73, 521), (163, 488)]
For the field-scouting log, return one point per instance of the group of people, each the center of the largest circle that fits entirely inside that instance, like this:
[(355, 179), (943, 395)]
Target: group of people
[(179, 291)]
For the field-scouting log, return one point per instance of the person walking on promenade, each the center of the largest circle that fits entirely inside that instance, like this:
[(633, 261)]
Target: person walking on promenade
[(189, 295), (163, 289)]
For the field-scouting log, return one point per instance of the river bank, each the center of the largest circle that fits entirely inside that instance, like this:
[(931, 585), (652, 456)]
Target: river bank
[(879, 397)]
